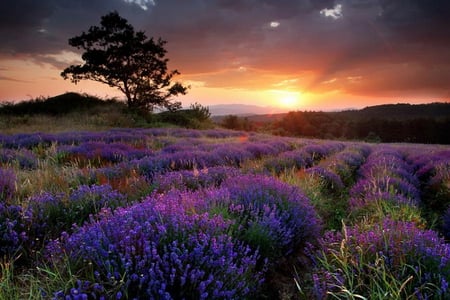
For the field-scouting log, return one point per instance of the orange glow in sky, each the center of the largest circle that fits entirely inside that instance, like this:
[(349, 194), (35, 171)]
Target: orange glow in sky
[(289, 55)]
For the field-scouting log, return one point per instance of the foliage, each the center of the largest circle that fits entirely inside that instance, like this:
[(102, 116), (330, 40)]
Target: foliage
[(392, 259), (272, 216), (197, 116), (116, 55), (158, 249)]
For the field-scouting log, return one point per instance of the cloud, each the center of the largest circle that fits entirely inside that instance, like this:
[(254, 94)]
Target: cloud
[(6, 78), (211, 41)]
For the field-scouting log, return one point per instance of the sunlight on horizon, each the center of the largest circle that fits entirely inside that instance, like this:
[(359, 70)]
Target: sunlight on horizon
[(286, 99)]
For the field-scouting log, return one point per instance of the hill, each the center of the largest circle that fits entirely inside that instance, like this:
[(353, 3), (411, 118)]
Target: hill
[(61, 104), (401, 111), (423, 123), (72, 111)]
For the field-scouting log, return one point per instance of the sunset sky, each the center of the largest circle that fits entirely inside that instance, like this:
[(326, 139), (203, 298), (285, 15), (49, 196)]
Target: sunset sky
[(304, 54)]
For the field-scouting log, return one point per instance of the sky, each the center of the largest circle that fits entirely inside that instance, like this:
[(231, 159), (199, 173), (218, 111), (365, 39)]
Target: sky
[(287, 54)]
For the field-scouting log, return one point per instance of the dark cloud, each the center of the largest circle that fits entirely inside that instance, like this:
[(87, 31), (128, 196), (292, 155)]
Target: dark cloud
[(41, 27), (217, 37)]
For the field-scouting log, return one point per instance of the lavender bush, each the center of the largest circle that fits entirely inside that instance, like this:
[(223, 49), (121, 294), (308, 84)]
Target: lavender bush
[(385, 176), (194, 179), (392, 259), (7, 185), (272, 216), (100, 153), (157, 249), (24, 158), (49, 214), (12, 231)]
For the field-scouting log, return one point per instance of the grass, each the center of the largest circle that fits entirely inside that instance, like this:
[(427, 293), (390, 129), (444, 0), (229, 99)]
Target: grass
[(75, 112), (100, 118), (332, 209)]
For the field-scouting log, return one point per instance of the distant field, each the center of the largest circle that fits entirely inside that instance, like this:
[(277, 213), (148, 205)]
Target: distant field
[(217, 214)]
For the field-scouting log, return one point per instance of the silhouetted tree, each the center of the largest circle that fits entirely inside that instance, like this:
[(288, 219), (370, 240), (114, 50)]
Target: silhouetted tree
[(117, 55), (200, 112)]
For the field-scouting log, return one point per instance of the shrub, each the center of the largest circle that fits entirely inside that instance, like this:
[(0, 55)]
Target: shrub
[(330, 180), (12, 230), (271, 216), (391, 259), (24, 158), (194, 179), (7, 184), (50, 214), (157, 249)]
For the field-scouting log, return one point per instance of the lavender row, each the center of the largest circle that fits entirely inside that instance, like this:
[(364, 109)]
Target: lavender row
[(303, 157), (380, 255), (390, 259), (209, 244), (433, 170), (338, 171), (111, 136), (184, 157), (385, 176), (26, 229)]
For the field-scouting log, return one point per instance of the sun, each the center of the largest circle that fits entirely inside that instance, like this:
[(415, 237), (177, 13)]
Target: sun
[(287, 99)]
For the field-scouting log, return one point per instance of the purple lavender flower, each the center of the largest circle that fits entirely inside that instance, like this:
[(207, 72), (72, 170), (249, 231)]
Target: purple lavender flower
[(12, 231), (385, 176), (194, 179), (49, 214), (271, 215), (24, 158), (7, 184), (160, 249), (405, 250), (332, 181)]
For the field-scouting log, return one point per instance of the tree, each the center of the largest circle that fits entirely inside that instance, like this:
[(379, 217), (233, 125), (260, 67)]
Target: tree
[(118, 56)]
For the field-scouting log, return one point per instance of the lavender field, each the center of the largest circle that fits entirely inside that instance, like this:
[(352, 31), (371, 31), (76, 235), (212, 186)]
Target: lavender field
[(215, 214)]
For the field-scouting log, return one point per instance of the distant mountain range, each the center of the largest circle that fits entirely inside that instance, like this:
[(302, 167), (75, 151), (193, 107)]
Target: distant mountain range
[(385, 111)]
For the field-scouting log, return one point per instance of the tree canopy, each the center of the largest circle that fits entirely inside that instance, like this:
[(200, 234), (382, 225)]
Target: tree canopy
[(117, 55)]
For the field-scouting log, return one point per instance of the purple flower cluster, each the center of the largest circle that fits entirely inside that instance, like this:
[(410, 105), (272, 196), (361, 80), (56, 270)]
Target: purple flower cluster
[(129, 136), (159, 249), (332, 181), (404, 249), (49, 214), (209, 244), (304, 157), (176, 158), (7, 185), (12, 231), (320, 151), (433, 170), (347, 162), (194, 179), (100, 153), (24, 158), (385, 176), (270, 215)]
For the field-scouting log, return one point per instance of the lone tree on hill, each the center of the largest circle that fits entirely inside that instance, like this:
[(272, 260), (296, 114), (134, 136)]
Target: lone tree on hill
[(118, 56)]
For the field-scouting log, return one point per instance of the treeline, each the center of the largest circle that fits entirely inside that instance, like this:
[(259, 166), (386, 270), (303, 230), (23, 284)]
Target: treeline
[(427, 123)]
